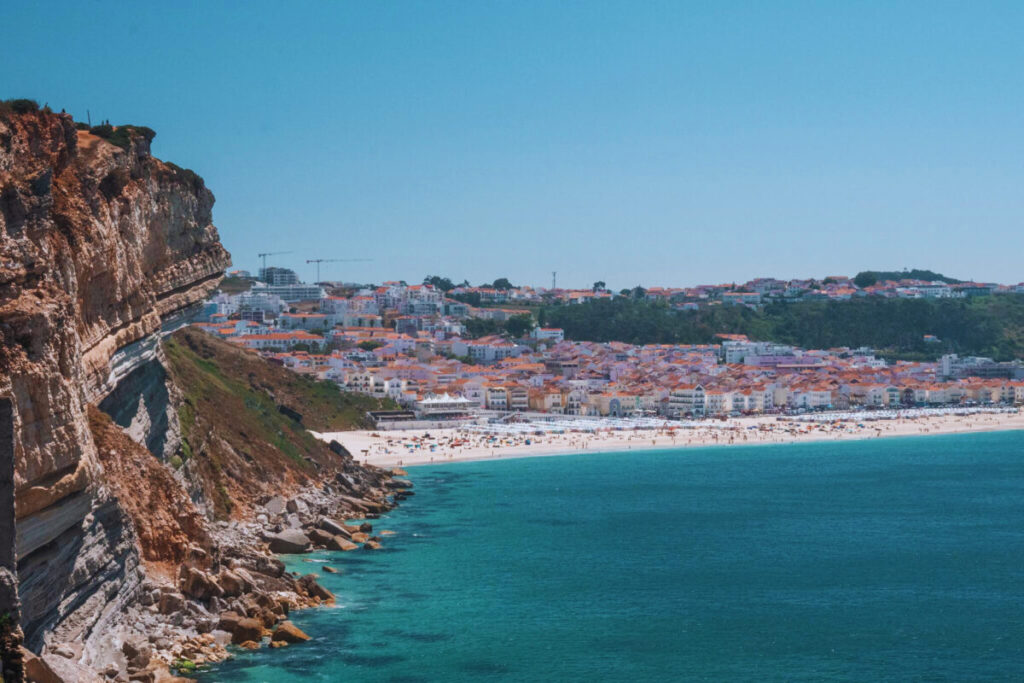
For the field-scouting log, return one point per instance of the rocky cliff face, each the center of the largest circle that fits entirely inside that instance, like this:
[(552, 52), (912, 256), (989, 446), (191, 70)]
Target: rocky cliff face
[(100, 246)]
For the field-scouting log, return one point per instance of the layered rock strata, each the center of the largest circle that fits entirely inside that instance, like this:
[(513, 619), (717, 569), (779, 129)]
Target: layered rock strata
[(99, 246)]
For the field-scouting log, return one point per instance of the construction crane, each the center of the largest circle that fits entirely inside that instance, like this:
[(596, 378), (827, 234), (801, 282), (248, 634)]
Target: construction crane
[(318, 261), (265, 254)]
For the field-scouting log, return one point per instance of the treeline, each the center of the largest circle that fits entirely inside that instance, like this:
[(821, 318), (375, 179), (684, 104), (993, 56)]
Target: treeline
[(867, 278), (987, 326)]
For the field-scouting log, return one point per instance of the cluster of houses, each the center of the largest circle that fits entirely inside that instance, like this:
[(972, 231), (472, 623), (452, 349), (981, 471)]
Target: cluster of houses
[(409, 343), (435, 372)]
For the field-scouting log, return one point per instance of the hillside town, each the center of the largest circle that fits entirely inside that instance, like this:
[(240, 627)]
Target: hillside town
[(409, 343)]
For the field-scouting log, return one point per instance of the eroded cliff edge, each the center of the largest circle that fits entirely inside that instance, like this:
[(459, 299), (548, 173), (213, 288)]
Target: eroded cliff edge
[(100, 245)]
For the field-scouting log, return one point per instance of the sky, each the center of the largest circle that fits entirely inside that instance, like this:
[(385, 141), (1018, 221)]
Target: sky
[(652, 143)]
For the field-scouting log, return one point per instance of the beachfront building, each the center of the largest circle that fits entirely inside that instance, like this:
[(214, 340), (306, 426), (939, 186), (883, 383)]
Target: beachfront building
[(687, 400), (443, 405)]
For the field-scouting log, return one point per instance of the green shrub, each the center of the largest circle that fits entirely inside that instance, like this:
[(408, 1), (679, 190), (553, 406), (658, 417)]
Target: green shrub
[(23, 106), (176, 462), (122, 135)]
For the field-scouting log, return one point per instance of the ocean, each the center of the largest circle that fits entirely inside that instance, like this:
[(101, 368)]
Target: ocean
[(892, 559)]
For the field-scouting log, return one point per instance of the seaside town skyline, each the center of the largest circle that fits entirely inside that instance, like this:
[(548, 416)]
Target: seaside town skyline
[(409, 344)]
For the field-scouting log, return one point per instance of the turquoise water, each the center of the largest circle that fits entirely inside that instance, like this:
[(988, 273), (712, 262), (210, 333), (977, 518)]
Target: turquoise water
[(898, 559)]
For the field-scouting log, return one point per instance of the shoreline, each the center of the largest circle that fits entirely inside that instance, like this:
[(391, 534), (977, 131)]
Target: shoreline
[(413, 447)]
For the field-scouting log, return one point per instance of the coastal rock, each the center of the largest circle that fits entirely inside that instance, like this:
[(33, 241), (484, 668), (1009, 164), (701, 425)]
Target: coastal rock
[(198, 584), (319, 536), (232, 584), (289, 541), (360, 537), (137, 654), (275, 506), (340, 543), (288, 632), (309, 584), (399, 484), (269, 566), (328, 569), (249, 645), (333, 527), (229, 621), (37, 670), (372, 545), (247, 630), (171, 603)]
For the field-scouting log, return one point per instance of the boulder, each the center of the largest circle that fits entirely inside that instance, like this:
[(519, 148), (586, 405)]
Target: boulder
[(366, 527), (279, 643), (198, 584), (399, 484), (250, 645), (291, 505), (340, 543), (309, 584), (288, 541), (319, 536), (275, 506), (136, 653), (333, 527), (398, 472), (288, 632), (372, 545), (170, 603), (36, 668), (268, 617), (247, 630), (232, 584), (360, 537), (328, 569), (270, 566), (229, 621)]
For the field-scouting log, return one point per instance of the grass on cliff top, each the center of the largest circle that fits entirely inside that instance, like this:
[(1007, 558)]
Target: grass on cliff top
[(322, 405), (236, 442)]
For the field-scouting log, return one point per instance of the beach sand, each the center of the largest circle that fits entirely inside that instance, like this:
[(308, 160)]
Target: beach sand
[(420, 447)]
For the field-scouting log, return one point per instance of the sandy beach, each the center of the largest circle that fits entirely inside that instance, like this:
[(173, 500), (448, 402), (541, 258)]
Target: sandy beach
[(420, 447)]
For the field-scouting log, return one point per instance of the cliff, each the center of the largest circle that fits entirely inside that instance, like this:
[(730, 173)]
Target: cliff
[(100, 245), (141, 469)]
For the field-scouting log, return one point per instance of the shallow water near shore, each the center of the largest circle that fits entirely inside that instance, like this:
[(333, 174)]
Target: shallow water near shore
[(897, 559)]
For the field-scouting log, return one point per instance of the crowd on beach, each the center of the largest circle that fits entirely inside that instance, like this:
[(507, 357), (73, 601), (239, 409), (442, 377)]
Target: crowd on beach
[(412, 447)]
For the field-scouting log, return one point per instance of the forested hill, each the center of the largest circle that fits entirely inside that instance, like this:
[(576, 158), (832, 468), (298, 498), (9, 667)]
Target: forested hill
[(867, 278), (988, 326)]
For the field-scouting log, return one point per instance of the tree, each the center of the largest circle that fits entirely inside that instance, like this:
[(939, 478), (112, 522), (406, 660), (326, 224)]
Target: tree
[(519, 325), (599, 286), (502, 283), (638, 292), (442, 283), (370, 344), (865, 279)]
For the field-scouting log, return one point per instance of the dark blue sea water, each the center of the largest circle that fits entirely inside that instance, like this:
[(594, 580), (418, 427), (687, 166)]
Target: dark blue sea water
[(898, 559)]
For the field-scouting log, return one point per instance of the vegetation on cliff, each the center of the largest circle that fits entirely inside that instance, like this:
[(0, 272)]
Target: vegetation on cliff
[(244, 420), (989, 326)]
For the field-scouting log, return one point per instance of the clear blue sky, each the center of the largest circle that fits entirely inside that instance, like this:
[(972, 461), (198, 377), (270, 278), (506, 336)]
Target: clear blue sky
[(633, 142)]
